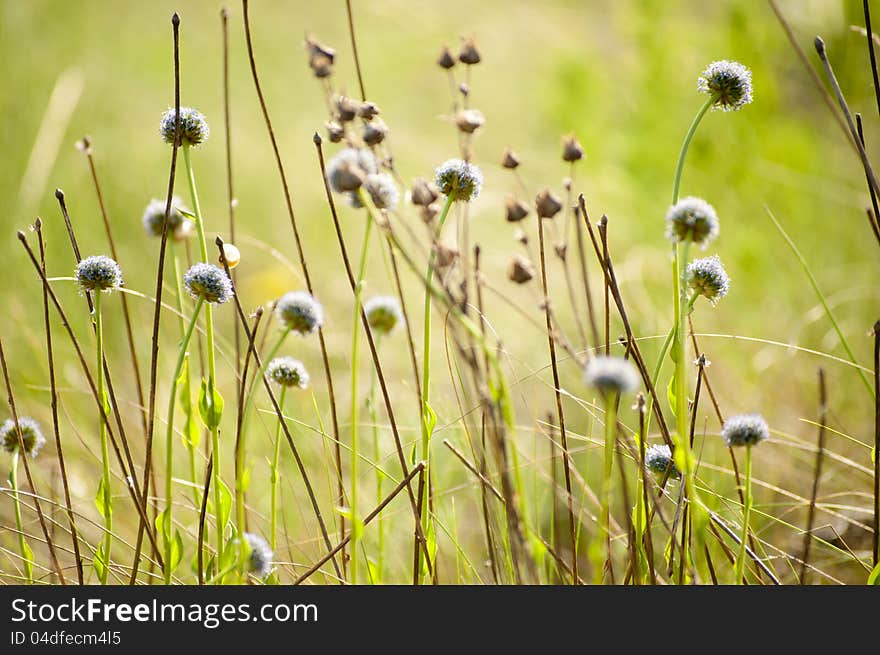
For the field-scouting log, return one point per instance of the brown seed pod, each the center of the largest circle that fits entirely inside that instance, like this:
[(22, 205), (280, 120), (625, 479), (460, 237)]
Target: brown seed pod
[(520, 270), (335, 132), (516, 209), (547, 204), (446, 255), (346, 108), (572, 151), (469, 54), (509, 159), (375, 132), (445, 60), (368, 110), (423, 192), (469, 120), (347, 177), (428, 212)]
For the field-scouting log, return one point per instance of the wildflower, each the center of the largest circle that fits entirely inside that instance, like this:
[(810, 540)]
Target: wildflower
[(31, 435), (516, 209), (572, 151), (375, 132), (520, 270), (209, 283), (261, 555), (445, 60), (423, 193), (729, 83), (288, 372), (383, 314), (547, 204), (346, 171), (692, 219), (193, 126), (658, 458), (708, 278), (458, 179), (612, 375), (154, 220), (98, 273), (300, 312), (469, 120), (382, 190), (745, 430), (469, 54), (509, 159)]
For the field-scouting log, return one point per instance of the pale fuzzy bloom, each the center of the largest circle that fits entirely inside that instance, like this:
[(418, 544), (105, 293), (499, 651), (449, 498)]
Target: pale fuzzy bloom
[(98, 273), (346, 164), (154, 220), (300, 312), (612, 375), (459, 179), (708, 278), (260, 562), (193, 126), (658, 458), (383, 313), (31, 435), (382, 190), (729, 83), (208, 282), (288, 372), (745, 430), (692, 219)]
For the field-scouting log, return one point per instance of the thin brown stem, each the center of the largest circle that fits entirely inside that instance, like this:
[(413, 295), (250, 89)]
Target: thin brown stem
[(869, 34), (876, 489), (354, 49), (817, 474)]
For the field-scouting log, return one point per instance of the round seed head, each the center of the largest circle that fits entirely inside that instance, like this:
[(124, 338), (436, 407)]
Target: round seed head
[(382, 190), (708, 278), (383, 314), (98, 273), (429, 212), (375, 132), (260, 562), (572, 150), (612, 375), (321, 58), (346, 109), (348, 168), (745, 430), (423, 193), (288, 372), (520, 270), (658, 458), (335, 132), (469, 54), (509, 159), (368, 110), (208, 282), (446, 255), (31, 435), (154, 220), (445, 60), (729, 83), (193, 126), (469, 120), (547, 204), (458, 179), (300, 312), (692, 219), (516, 210)]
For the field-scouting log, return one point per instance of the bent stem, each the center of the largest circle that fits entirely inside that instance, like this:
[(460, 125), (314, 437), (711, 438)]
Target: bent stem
[(676, 182), (25, 550), (168, 525), (274, 475), (747, 510), (428, 417), (106, 499), (355, 341)]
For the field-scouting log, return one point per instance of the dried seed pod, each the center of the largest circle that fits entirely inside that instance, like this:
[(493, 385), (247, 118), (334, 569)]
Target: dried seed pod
[(423, 192), (571, 150), (516, 209), (316, 49), (469, 120), (335, 131), (368, 110), (520, 270), (446, 255), (321, 66), (375, 132), (429, 212), (561, 250), (469, 54), (445, 60), (346, 177), (547, 204), (520, 236), (509, 159), (346, 108)]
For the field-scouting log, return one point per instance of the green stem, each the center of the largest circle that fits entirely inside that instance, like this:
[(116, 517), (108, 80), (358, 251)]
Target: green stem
[(197, 209), (747, 509), (610, 440), (380, 476), (676, 182), (169, 437), (355, 341), (22, 544), (273, 518), (426, 372), (105, 453)]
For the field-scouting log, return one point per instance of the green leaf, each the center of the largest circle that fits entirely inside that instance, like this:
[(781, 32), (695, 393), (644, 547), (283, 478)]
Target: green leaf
[(103, 500), (639, 519), (211, 410), (373, 571), (28, 556), (874, 578), (176, 550), (192, 435), (429, 417), (100, 563), (670, 394), (186, 213), (246, 478)]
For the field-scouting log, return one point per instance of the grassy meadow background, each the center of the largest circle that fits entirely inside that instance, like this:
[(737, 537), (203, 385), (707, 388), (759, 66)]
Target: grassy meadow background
[(621, 76)]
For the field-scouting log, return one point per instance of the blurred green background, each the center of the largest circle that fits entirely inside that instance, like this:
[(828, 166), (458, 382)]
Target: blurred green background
[(621, 76)]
